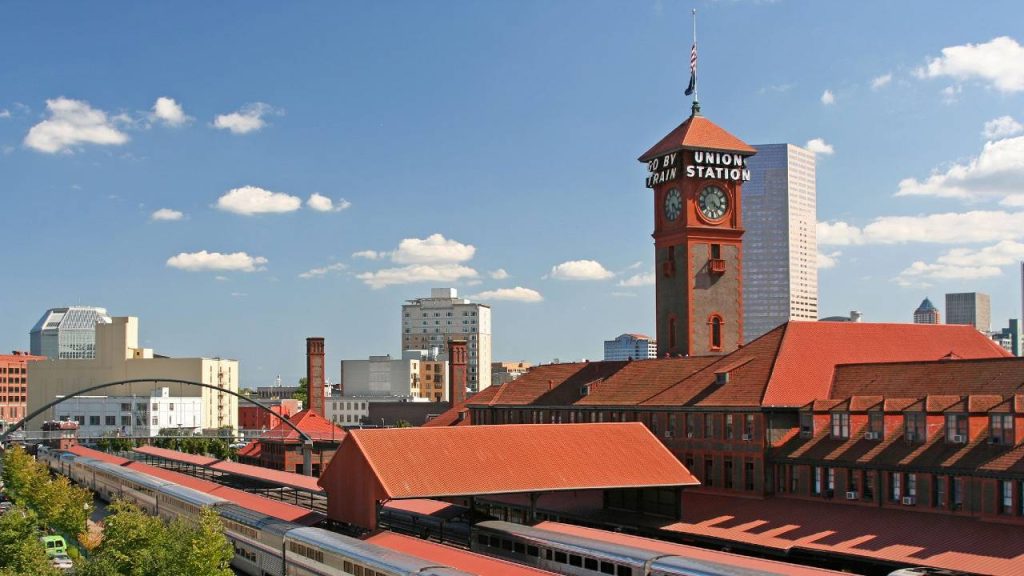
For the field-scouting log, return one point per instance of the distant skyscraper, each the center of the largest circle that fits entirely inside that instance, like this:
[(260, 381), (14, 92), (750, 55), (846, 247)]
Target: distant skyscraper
[(631, 347), (67, 333), (431, 322), (973, 308), (927, 313), (780, 246)]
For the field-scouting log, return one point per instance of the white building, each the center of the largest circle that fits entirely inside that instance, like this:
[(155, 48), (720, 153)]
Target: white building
[(631, 347), (132, 415), (119, 357), (418, 374), (780, 246), (431, 322)]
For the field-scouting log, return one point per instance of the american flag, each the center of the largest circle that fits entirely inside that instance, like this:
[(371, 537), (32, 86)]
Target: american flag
[(693, 70)]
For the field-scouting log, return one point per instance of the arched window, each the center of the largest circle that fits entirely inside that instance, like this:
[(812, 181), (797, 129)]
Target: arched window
[(716, 331)]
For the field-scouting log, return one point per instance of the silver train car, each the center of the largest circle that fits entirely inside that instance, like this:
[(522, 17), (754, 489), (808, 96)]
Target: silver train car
[(578, 556), (264, 545)]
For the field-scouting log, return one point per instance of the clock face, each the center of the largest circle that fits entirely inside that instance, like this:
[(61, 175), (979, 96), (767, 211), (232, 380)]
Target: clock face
[(713, 202), (673, 204)]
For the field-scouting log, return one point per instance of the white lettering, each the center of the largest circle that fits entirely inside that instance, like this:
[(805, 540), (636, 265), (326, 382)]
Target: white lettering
[(746, 175), (734, 174), (737, 160), (690, 171), (726, 159), (652, 166), (698, 156)]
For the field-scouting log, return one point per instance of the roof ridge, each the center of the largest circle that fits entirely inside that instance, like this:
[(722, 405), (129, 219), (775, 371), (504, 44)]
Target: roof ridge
[(784, 328)]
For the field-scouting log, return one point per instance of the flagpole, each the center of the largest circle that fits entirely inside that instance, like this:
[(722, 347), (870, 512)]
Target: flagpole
[(696, 100)]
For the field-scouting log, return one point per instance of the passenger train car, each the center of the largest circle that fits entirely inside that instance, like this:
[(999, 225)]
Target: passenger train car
[(264, 545)]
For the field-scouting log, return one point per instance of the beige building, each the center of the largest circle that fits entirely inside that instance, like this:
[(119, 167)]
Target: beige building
[(431, 322), (119, 357)]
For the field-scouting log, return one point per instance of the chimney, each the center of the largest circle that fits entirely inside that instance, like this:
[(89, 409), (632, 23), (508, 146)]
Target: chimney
[(315, 375), (457, 371)]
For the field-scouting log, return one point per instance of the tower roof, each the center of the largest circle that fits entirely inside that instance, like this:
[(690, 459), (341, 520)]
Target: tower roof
[(701, 133), (926, 306)]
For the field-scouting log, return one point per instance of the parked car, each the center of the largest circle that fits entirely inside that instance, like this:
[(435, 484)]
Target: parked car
[(62, 562)]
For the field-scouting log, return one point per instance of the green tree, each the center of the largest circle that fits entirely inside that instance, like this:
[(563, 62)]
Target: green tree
[(403, 424), (62, 507), (22, 474), (133, 544), (302, 394), (21, 553), (199, 548)]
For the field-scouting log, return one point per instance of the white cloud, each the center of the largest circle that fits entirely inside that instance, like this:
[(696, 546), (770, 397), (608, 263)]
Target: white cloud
[(998, 62), (322, 203), (838, 234), (239, 294), (830, 260), (199, 261), (637, 280), (819, 146), (499, 274), (950, 94), (167, 214), (965, 264), (517, 294), (1002, 127), (72, 123), (433, 249), (948, 228), (997, 172), (5, 113), (580, 270), (168, 111), (440, 273), (249, 200), (247, 119), (882, 81), (323, 271), (828, 98), (221, 278), (368, 254)]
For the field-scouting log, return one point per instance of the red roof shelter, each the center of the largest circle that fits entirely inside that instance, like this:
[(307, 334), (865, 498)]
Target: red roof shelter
[(373, 466)]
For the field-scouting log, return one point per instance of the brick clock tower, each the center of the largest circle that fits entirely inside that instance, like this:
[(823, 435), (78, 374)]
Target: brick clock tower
[(697, 173)]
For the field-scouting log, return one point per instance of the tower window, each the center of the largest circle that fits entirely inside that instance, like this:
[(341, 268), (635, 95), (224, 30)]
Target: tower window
[(671, 333), (716, 331), (716, 251)]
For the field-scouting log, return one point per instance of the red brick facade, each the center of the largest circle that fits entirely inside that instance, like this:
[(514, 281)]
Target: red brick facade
[(14, 386)]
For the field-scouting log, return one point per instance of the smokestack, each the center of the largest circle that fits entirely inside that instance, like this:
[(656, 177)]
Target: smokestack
[(315, 375), (458, 374)]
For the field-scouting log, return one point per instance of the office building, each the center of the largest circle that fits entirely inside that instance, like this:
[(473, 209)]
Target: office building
[(972, 308), (431, 322), (927, 313), (14, 386), (502, 372), (780, 247), (631, 347), (418, 374), (67, 333), (119, 357), (1009, 337), (252, 417), (137, 416)]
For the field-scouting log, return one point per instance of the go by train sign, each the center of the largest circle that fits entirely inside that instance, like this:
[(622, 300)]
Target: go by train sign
[(703, 164)]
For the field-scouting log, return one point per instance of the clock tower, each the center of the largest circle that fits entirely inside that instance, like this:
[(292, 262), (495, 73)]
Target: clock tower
[(697, 173)]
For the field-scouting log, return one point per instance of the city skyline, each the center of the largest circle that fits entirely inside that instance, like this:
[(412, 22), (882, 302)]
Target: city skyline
[(226, 134)]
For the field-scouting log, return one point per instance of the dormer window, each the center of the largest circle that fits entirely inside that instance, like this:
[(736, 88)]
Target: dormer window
[(914, 427), (956, 428), (876, 425), (806, 424), (1001, 429), (841, 425)]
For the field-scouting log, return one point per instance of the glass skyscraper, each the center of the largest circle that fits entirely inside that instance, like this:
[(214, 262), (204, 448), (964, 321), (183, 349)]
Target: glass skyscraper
[(780, 246), (67, 333)]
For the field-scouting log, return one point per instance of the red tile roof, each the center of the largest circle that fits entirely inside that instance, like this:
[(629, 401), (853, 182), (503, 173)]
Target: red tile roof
[(899, 536), (697, 132), (956, 378), (288, 479), (692, 552), (450, 461), (810, 352), (457, 415), (448, 556), (267, 506), (313, 424)]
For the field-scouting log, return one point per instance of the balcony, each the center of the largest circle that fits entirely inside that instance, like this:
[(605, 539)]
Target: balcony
[(716, 266)]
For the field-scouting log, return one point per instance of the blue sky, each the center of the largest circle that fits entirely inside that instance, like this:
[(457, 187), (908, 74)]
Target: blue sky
[(483, 145)]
